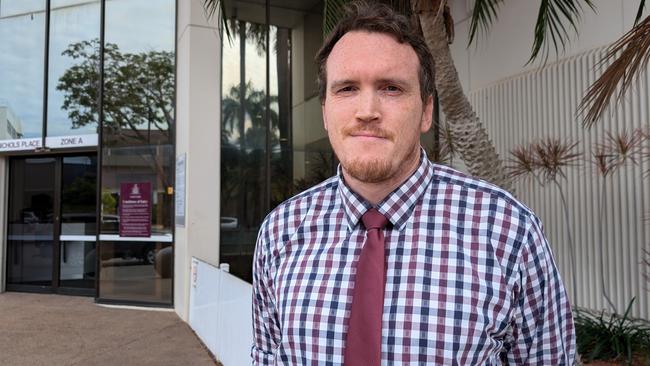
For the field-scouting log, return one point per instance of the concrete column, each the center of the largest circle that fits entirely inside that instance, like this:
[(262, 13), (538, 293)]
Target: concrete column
[(198, 106)]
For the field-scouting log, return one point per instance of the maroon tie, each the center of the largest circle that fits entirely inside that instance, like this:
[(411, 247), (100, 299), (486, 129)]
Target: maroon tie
[(363, 343)]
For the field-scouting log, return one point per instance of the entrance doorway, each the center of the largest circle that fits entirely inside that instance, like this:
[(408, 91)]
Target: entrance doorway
[(51, 224)]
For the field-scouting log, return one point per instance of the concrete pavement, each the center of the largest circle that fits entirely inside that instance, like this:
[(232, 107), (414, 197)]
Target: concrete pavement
[(38, 329)]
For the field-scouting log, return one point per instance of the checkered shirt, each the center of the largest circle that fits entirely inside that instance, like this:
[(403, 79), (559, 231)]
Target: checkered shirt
[(470, 278)]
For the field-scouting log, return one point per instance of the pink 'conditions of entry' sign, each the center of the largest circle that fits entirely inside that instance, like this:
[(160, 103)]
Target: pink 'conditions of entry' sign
[(135, 209)]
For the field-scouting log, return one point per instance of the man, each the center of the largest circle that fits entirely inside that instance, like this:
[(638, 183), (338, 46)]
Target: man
[(396, 260)]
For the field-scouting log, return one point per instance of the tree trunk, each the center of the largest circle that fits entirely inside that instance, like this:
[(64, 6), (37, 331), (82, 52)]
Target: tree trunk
[(470, 137)]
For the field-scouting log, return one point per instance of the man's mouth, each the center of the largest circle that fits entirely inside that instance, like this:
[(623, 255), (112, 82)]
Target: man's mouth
[(367, 135)]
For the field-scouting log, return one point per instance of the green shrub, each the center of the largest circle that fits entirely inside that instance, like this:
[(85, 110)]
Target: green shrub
[(613, 337)]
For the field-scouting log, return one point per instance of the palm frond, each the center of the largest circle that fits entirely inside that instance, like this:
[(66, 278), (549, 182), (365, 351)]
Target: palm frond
[(551, 24), (630, 54), (218, 8), (639, 13), (401, 6), (333, 11), (483, 15)]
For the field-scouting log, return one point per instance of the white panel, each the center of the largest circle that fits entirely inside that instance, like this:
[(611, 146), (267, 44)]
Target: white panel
[(221, 313), (165, 238), (543, 103), (77, 238)]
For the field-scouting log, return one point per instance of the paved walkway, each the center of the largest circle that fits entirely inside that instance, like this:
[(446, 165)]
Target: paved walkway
[(57, 330)]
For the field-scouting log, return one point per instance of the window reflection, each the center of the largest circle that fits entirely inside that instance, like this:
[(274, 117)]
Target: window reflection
[(136, 271), (78, 195), (137, 144), (298, 153), (73, 68), (77, 264), (243, 146), (20, 7), (150, 164), (30, 221), (22, 31)]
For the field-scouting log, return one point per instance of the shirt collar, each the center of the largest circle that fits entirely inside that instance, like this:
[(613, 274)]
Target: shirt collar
[(397, 206)]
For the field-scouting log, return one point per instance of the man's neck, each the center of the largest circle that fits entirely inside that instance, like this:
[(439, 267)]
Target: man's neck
[(376, 192)]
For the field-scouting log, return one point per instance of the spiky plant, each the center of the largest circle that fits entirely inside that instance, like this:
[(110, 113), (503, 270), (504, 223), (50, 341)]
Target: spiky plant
[(554, 156), (612, 337), (613, 153), (522, 164), (547, 160)]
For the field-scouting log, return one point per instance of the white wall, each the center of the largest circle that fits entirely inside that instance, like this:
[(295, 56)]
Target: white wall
[(197, 136), (221, 312)]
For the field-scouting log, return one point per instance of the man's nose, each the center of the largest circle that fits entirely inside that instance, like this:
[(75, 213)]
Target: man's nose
[(368, 108)]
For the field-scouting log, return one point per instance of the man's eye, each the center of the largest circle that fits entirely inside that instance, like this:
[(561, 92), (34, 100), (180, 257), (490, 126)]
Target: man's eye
[(346, 89), (392, 88)]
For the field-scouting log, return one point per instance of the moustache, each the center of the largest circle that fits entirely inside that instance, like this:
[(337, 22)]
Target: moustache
[(371, 130)]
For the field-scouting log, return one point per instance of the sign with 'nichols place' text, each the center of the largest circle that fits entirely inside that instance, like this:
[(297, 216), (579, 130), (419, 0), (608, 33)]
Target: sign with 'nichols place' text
[(135, 209)]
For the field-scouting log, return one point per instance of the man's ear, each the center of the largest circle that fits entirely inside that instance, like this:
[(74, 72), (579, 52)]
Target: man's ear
[(427, 115)]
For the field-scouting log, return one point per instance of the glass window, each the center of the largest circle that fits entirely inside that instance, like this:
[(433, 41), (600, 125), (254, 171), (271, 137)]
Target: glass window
[(73, 85), (22, 31), (77, 264), (136, 271), (267, 154), (244, 146), (21, 7), (77, 249), (78, 195), (137, 150)]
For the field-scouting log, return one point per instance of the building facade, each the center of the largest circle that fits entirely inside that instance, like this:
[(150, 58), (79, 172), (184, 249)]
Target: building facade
[(87, 111)]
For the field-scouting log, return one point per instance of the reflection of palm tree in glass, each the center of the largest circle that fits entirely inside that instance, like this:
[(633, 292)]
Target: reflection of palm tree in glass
[(254, 108), (244, 150)]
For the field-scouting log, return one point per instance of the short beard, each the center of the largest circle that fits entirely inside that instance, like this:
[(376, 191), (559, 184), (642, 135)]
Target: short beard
[(373, 171)]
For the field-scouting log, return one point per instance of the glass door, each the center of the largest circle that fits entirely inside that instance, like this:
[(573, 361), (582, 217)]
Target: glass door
[(52, 224), (78, 223), (30, 226)]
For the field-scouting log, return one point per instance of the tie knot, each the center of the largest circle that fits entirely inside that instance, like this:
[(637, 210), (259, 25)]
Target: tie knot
[(373, 219)]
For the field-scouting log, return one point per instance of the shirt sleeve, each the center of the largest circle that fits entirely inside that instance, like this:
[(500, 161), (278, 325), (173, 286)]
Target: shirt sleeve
[(266, 331), (543, 331)]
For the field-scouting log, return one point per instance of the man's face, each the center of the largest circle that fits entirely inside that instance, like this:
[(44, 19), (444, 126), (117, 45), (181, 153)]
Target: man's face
[(373, 111)]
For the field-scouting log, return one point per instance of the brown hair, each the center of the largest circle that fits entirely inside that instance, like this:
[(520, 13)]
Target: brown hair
[(377, 18)]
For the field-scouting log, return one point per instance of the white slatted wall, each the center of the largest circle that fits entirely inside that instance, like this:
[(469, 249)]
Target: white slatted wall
[(543, 103)]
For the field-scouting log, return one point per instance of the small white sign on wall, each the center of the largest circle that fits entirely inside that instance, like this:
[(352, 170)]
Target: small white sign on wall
[(62, 142), (179, 192), (58, 142), (21, 144)]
